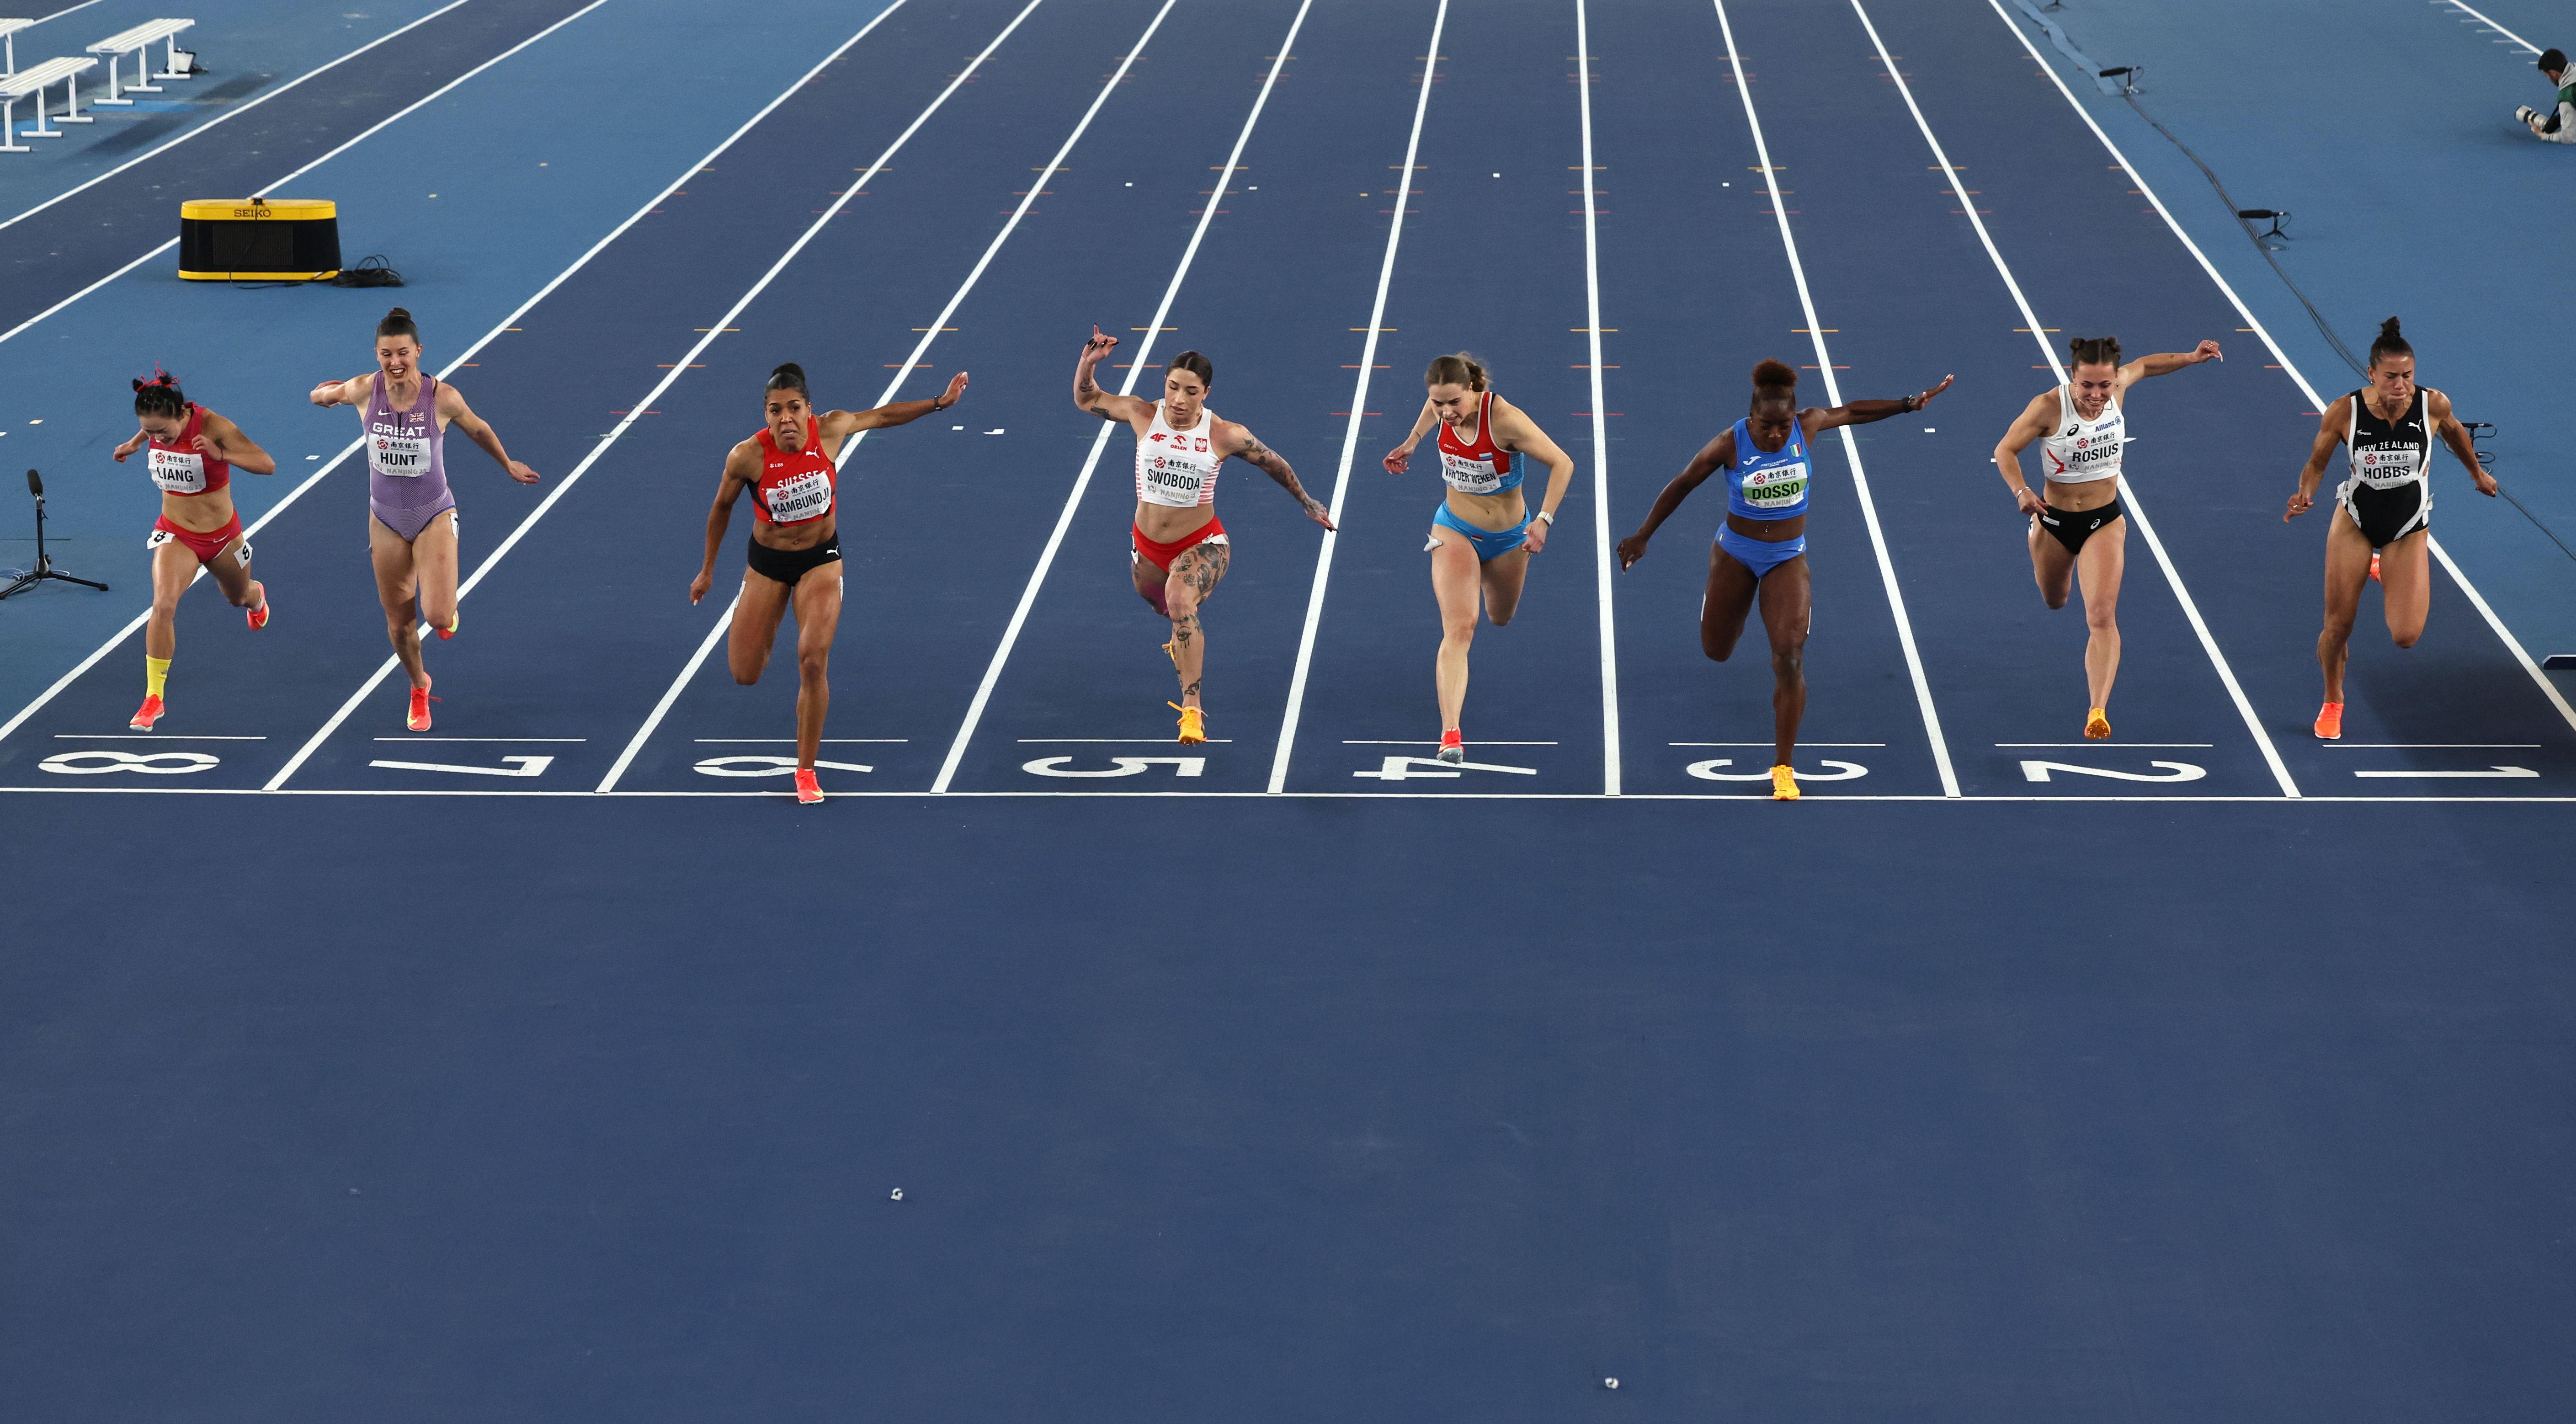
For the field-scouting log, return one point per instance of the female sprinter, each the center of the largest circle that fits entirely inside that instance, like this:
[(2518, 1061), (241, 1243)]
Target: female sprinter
[(404, 413), (795, 552), (2390, 426), (194, 451), (2077, 529), (1763, 543), (1178, 551), (1482, 535)]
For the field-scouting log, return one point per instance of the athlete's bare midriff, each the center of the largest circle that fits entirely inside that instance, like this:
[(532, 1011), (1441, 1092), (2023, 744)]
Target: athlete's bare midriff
[(2077, 498), (1767, 531), (792, 538), (199, 513)]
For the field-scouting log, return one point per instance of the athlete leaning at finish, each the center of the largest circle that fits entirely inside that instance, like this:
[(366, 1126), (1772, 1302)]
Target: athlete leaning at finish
[(1178, 550), (2076, 531), (1482, 533), (194, 453), (1762, 545), (404, 412), (794, 558), (2390, 426)]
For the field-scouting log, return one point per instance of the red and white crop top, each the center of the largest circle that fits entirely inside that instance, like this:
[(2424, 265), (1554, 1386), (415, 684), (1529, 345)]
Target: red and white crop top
[(794, 487), (177, 465)]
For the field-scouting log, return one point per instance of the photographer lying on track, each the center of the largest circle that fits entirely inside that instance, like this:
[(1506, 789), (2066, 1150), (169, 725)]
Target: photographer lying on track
[(2559, 124)]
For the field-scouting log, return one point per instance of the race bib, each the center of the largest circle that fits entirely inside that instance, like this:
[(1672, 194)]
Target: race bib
[(800, 497), (2386, 468), (179, 471), (1171, 482), (1776, 487), (1470, 476), (401, 457)]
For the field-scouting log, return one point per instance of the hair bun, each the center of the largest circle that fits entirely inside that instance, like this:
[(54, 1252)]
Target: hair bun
[(2389, 328), (402, 312)]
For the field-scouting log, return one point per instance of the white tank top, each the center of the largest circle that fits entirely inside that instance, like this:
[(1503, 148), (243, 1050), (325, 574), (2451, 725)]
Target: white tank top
[(2077, 450), (1177, 468)]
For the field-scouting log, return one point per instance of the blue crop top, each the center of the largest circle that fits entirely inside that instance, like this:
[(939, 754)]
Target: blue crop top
[(1769, 485)]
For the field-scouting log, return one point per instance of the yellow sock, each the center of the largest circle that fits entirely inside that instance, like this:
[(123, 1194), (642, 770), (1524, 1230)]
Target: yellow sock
[(155, 672)]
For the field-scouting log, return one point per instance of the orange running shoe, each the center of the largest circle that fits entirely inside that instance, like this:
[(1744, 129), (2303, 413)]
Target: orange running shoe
[(454, 621), (2097, 727), (259, 616), (807, 793), (2374, 566), (1453, 747), (2330, 721), (420, 700), (1193, 724), (147, 714), (1784, 784)]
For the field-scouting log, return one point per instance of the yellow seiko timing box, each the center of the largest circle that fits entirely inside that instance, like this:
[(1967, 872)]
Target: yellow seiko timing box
[(259, 240)]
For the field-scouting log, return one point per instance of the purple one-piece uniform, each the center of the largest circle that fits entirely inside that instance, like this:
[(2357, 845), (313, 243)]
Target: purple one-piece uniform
[(406, 466)]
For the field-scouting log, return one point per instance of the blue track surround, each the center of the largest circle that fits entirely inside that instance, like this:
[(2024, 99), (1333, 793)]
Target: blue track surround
[(2123, 1084)]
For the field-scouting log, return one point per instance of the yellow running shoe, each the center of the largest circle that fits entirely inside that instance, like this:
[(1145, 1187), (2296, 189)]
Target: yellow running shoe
[(1784, 784), (2097, 727), (2330, 722), (1193, 724)]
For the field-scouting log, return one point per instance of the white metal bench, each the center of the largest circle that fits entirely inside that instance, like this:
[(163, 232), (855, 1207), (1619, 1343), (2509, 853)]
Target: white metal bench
[(9, 42), (138, 42), (33, 81)]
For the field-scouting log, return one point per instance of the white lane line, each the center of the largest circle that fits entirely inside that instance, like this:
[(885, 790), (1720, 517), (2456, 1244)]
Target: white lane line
[(148, 737), (671, 694), (791, 741), (2477, 600), (1480, 741), (1766, 744), (2499, 29), (1760, 797), (1851, 447), (479, 739), (1112, 741), (1351, 432), (2435, 746), (2135, 513), (1136, 367), (227, 114), (1604, 574), (2106, 745), (371, 131), (635, 413)]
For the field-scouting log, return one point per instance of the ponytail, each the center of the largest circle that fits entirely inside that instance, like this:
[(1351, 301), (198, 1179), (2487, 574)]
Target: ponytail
[(2391, 342), (1460, 369)]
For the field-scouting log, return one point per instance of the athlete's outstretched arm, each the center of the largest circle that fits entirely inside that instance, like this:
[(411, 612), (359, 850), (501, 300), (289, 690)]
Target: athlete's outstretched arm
[(1712, 457), (462, 417), (1087, 392), (1819, 419), (2165, 363), (1515, 431), (2456, 435), (348, 392), (2330, 431), (224, 440), (840, 424), (1401, 455), (2034, 422), (741, 471), (1261, 457)]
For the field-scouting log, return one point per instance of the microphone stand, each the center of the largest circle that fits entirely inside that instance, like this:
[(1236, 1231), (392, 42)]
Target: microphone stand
[(44, 568)]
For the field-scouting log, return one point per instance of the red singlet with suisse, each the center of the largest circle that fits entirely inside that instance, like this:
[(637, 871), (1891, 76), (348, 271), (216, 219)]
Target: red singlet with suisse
[(794, 488), (178, 468)]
